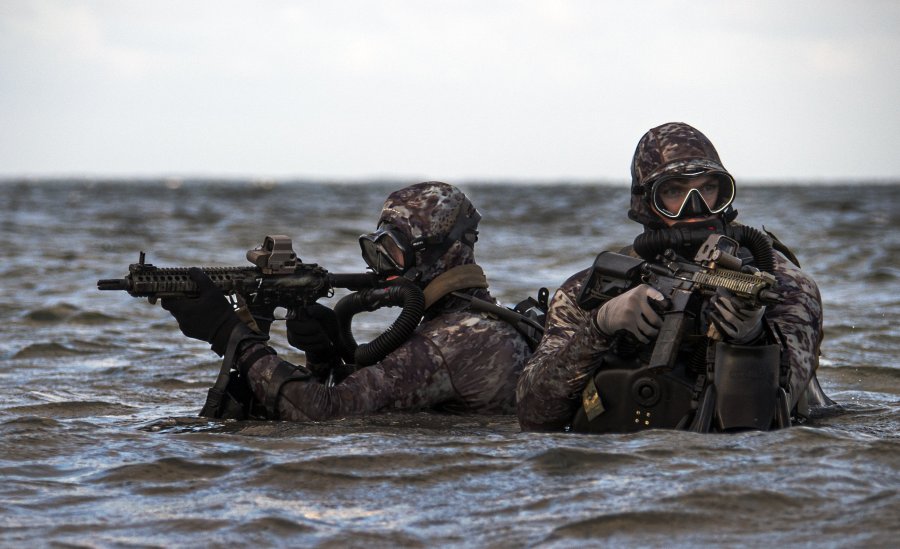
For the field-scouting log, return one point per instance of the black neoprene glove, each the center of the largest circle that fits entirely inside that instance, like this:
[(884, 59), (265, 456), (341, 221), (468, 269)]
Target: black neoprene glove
[(208, 317), (315, 332)]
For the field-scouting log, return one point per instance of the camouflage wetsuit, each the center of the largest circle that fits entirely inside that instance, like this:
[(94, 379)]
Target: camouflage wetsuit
[(550, 388), (456, 360)]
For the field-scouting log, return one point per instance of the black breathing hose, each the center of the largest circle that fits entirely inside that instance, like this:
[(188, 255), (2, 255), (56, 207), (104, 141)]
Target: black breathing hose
[(406, 295), (759, 244), (683, 240)]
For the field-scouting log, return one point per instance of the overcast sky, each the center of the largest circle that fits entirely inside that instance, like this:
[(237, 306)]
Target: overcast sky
[(450, 90)]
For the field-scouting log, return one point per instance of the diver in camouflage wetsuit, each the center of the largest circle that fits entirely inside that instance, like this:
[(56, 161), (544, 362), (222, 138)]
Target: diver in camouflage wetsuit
[(678, 182), (456, 360)]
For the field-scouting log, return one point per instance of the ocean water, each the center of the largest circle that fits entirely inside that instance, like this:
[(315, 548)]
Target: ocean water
[(100, 445)]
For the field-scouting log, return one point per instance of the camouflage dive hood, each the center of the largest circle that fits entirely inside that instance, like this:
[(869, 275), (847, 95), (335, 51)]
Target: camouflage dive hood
[(666, 150), (435, 211)]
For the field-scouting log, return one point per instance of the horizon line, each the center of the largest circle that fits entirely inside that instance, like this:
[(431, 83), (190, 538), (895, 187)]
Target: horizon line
[(178, 180)]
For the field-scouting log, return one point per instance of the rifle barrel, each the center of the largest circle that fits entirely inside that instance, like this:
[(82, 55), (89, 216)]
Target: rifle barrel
[(120, 284)]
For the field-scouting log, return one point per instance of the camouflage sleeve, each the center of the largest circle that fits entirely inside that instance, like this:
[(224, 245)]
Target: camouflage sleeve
[(549, 390), (799, 318), (412, 377)]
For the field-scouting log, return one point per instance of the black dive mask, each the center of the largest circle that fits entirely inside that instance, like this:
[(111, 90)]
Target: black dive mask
[(696, 194), (387, 251)]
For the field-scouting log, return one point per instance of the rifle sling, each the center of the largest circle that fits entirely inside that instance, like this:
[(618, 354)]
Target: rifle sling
[(216, 393), (458, 278), (472, 276)]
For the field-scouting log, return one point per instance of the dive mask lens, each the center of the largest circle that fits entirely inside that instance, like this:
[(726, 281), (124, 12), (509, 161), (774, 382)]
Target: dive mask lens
[(693, 194), (383, 251)]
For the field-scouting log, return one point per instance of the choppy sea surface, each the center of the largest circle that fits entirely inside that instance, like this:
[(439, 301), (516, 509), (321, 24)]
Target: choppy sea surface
[(100, 445)]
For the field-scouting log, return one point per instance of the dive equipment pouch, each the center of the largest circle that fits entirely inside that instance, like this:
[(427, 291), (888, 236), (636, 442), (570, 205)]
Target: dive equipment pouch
[(746, 381), (625, 400), (236, 402)]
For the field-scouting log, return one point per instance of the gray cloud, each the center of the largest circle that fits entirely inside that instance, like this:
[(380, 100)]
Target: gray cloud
[(447, 90)]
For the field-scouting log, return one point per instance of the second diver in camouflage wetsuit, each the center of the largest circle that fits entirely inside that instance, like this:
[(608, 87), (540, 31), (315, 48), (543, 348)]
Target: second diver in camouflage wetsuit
[(456, 360), (679, 187)]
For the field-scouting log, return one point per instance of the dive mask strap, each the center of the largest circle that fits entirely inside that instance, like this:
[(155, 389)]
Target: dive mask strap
[(463, 231)]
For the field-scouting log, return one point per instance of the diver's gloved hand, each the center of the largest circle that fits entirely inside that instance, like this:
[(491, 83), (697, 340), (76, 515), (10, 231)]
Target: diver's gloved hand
[(208, 317), (632, 312), (315, 332), (739, 321)]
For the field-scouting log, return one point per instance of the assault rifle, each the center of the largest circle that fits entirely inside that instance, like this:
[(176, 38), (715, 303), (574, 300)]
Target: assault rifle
[(715, 266), (279, 278)]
